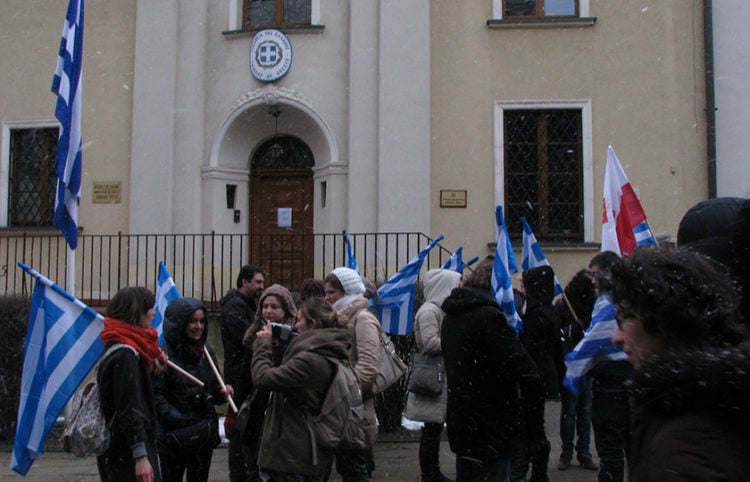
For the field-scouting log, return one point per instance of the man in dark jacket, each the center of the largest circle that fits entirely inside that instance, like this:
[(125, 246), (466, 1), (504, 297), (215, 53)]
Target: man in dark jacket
[(238, 309), (485, 366)]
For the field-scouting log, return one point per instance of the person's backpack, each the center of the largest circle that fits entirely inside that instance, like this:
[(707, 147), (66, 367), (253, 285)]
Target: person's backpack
[(340, 422), (86, 432)]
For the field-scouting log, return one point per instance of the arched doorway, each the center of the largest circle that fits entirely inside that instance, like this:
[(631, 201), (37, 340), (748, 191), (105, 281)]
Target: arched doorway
[(281, 210)]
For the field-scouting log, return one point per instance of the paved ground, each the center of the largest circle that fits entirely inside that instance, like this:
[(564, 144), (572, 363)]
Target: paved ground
[(395, 456)]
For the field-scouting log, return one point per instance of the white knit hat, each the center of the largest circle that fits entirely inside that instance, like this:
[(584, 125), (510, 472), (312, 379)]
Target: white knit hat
[(350, 280)]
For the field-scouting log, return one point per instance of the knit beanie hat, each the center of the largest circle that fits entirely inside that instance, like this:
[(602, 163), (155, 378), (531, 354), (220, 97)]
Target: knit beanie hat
[(350, 280)]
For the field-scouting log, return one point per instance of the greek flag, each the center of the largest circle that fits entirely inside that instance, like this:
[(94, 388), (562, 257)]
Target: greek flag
[(502, 268), (351, 261), (532, 255), (595, 346), (166, 291), (67, 84), (62, 346), (395, 302), (456, 263)]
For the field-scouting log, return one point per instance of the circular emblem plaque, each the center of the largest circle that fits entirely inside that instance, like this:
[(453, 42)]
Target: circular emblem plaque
[(270, 55)]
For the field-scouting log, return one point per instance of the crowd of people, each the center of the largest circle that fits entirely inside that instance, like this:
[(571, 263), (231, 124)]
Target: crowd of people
[(648, 350)]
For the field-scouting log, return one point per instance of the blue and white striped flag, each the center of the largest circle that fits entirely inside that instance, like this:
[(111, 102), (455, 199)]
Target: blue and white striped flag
[(532, 254), (62, 346), (456, 262), (67, 84), (351, 261), (503, 267), (595, 346), (395, 301), (166, 292)]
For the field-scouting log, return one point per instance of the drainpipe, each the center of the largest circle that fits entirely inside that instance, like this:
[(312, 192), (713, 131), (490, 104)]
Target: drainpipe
[(708, 43)]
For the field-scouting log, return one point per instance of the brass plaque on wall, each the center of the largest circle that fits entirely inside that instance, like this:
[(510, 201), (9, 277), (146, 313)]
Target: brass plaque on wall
[(451, 198), (107, 192)]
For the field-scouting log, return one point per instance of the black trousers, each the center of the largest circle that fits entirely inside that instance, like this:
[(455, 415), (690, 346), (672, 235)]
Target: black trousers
[(609, 417), (196, 466)]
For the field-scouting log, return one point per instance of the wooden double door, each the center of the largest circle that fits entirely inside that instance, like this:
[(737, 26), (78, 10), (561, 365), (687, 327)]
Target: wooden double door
[(281, 215)]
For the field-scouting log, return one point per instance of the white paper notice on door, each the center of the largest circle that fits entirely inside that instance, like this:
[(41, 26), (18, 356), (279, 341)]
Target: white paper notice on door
[(285, 217)]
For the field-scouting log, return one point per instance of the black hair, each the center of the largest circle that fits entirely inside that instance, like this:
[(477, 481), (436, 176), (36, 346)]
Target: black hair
[(581, 294), (248, 272), (680, 296)]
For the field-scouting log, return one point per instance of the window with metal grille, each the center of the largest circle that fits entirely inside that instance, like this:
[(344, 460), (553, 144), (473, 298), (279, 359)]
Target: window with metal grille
[(544, 173), (539, 8), (276, 13), (32, 182)]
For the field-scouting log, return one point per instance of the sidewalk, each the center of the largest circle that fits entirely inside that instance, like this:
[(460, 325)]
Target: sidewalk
[(396, 458)]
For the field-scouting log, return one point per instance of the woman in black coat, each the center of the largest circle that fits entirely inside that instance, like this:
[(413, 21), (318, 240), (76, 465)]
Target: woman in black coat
[(485, 365), (690, 394), (186, 412)]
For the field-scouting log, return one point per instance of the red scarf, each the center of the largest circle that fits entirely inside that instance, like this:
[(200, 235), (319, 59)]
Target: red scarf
[(145, 340)]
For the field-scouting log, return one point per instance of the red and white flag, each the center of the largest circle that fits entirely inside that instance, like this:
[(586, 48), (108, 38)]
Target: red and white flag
[(624, 224)]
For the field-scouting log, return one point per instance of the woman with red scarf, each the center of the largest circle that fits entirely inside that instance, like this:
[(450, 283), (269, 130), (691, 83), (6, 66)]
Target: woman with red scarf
[(125, 390)]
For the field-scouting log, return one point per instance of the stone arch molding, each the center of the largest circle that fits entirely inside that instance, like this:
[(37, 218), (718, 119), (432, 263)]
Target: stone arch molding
[(248, 124)]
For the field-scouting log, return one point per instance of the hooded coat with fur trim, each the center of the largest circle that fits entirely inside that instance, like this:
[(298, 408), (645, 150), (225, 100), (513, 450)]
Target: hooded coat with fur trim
[(690, 416)]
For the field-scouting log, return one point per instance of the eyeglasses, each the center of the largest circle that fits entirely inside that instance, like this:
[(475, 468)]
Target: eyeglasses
[(624, 315)]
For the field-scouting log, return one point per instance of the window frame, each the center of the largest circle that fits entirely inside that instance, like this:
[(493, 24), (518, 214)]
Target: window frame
[(278, 21), (589, 206), (9, 126), (498, 9)]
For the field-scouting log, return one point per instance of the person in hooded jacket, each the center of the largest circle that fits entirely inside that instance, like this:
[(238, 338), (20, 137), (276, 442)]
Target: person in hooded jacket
[(276, 305), (541, 338), (486, 365), (181, 403), (677, 321), (345, 290), (428, 322), (541, 326), (298, 387)]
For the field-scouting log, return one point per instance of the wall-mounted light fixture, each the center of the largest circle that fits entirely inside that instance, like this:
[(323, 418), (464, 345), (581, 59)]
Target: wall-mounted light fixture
[(276, 150)]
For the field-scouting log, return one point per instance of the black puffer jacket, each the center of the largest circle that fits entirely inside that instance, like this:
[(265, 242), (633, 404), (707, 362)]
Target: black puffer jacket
[(486, 365), (690, 416), (179, 401)]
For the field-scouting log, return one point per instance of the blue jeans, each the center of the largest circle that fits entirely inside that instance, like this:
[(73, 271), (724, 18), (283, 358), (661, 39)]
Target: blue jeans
[(575, 416), (469, 469)]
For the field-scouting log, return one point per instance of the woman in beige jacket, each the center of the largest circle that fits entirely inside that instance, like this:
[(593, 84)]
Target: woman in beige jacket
[(344, 289)]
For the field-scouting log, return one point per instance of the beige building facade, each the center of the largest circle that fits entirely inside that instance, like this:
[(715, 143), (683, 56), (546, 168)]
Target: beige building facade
[(389, 106)]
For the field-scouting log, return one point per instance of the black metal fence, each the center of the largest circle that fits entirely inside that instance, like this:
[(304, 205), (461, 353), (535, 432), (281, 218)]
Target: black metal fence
[(203, 266)]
